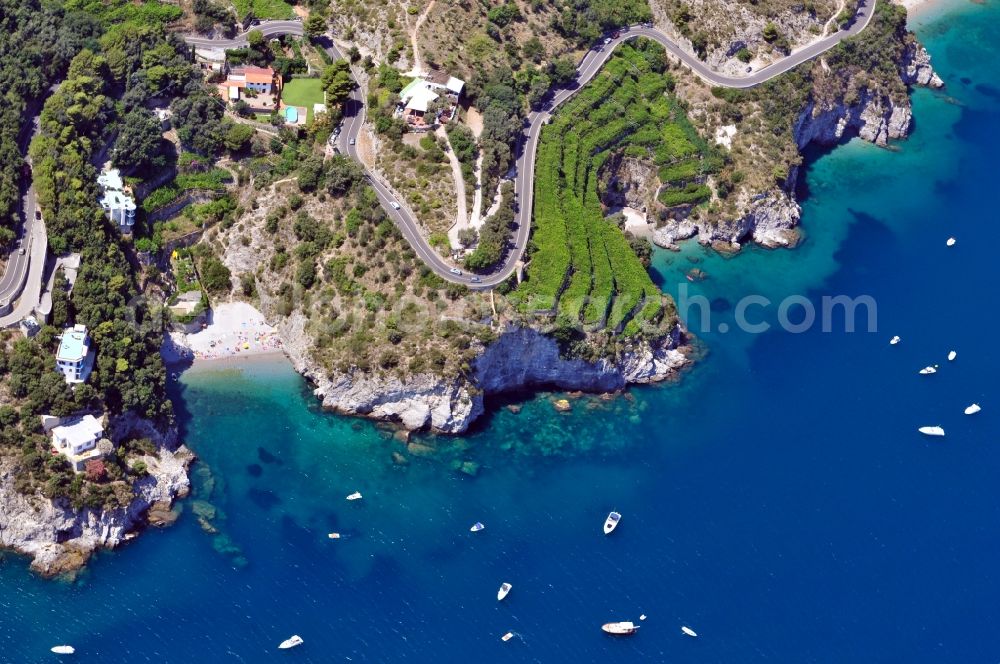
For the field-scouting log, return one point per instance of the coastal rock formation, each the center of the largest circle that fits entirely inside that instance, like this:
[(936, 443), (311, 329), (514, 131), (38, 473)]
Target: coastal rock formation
[(917, 68), (521, 358), (59, 538), (770, 220)]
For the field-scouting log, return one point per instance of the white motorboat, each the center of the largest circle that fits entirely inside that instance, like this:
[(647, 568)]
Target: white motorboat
[(688, 631), (334, 535), (626, 628), (355, 496), (929, 370), (476, 527), (642, 617), (931, 431), (952, 355), (507, 637), (63, 650), (611, 522), (973, 409), (894, 340), (950, 242), (291, 642), (504, 590)]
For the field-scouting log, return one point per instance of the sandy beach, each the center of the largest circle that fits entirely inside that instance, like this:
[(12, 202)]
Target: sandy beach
[(234, 329)]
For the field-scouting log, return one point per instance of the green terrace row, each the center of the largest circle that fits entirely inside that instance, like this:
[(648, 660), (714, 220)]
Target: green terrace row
[(582, 266)]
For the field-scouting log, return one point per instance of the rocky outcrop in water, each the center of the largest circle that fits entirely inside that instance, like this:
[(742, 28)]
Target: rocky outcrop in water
[(61, 539), (770, 220), (521, 358)]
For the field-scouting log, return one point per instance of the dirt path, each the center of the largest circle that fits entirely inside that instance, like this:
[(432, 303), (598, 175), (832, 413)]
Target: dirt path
[(462, 218), (418, 65), (826, 26)]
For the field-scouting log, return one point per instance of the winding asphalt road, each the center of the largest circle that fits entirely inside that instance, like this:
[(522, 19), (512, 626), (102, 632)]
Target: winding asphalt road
[(27, 258), (267, 28), (354, 115)]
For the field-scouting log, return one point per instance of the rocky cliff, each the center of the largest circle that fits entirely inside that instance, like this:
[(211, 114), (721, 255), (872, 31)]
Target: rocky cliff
[(60, 539), (521, 358), (874, 114)]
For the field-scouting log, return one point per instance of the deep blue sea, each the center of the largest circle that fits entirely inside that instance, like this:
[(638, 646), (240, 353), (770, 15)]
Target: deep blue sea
[(778, 500)]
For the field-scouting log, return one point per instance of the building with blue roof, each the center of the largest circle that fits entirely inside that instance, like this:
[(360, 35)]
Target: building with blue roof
[(74, 360)]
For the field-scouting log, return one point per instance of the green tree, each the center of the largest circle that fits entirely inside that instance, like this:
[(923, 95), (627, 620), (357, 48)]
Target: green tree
[(255, 38), (237, 136), (315, 25), (139, 142), (337, 82)]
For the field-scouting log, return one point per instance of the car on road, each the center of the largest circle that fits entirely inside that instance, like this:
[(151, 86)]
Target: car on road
[(20, 252), (607, 40), (749, 69), (38, 215), (455, 270), (351, 142), (475, 280), (395, 205)]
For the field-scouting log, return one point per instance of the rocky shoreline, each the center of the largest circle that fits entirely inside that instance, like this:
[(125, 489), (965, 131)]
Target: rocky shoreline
[(520, 359), (60, 540), (770, 219)]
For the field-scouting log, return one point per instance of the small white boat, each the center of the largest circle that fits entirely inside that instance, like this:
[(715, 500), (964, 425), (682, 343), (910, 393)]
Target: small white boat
[(950, 242), (507, 637), (952, 355), (334, 535), (611, 522), (476, 527), (688, 631), (642, 617), (894, 340), (355, 496), (973, 409), (504, 590), (929, 370), (63, 650), (291, 642), (931, 431), (626, 628)]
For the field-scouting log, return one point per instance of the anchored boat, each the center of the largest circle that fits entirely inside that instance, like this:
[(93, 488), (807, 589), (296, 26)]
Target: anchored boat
[(611, 522), (355, 496), (290, 642), (504, 589), (63, 650), (476, 527), (626, 628), (931, 431)]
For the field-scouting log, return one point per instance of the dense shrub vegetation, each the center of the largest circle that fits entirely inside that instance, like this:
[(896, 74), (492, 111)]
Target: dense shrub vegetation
[(36, 43)]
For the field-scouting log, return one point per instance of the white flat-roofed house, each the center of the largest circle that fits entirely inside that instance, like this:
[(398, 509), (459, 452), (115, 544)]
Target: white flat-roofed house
[(418, 95), (213, 59), (74, 360), (117, 200), (77, 439)]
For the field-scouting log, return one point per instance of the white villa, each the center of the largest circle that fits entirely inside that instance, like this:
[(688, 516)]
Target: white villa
[(77, 440), (74, 359), (117, 199), (416, 97)]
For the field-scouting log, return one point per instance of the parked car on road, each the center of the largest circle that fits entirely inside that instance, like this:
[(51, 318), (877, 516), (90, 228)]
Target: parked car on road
[(455, 270)]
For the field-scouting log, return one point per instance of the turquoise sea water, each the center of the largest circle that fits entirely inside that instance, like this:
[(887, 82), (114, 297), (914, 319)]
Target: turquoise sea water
[(778, 500)]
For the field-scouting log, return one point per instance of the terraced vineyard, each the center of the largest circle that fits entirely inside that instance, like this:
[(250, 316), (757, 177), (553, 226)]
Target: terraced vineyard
[(582, 265)]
